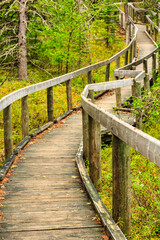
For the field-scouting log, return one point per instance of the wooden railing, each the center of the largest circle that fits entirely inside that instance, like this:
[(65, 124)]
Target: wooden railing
[(124, 135)]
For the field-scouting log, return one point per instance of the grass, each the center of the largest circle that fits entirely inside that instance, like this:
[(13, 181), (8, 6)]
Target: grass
[(145, 184)]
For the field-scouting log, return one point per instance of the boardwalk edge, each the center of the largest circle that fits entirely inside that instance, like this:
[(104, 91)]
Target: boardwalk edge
[(110, 226)]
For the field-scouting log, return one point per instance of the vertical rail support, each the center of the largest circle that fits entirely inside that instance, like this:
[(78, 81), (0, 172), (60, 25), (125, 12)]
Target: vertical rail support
[(95, 150), (7, 120), (121, 20), (133, 86), (50, 104), (118, 90), (145, 65), (129, 33), (126, 58), (85, 135), (25, 116), (135, 48), (107, 72), (146, 83), (155, 34), (146, 79), (89, 77), (131, 53), (136, 16), (69, 94), (139, 112), (121, 195), (147, 28), (154, 66)]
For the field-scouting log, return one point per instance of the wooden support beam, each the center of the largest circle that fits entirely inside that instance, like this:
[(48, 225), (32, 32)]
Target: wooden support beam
[(118, 63), (7, 120), (154, 66), (133, 86), (50, 104), (139, 111), (118, 90), (131, 54), (145, 65), (89, 77), (107, 72), (25, 116), (69, 94), (121, 195), (122, 20), (146, 83), (95, 150), (126, 58)]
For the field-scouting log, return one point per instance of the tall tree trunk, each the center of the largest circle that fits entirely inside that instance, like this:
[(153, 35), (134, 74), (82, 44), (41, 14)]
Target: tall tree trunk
[(22, 41)]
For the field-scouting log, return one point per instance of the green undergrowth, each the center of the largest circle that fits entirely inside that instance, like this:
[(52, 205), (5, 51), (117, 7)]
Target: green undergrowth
[(38, 100), (145, 184)]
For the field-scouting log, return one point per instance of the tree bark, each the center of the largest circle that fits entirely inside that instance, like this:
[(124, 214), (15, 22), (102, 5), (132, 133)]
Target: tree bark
[(22, 41)]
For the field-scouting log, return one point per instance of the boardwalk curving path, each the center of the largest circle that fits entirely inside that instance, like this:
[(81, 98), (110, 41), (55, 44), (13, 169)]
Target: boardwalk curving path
[(44, 197), (145, 46)]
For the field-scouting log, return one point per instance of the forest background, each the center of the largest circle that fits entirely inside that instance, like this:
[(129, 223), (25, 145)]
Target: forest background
[(42, 39)]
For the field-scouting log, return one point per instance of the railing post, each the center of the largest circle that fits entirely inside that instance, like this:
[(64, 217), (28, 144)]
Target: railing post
[(118, 90), (25, 116), (133, 86), (121, 195), (121, 20), (155, 35), (136, 16), (139, 113), (7, 120), (146, 83), (131, 54), (85, 135), (89, 77), (126, 58), (154, 66), (135, 48), (145, 65), (107, 72), (69, 94), (50, 104), (95, 150)]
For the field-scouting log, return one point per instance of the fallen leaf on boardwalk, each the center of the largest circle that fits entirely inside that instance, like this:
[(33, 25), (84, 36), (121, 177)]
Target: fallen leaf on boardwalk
[(105, 237), (13, 166), (44, 176), (94, 218), (73, 159), (74, 176)]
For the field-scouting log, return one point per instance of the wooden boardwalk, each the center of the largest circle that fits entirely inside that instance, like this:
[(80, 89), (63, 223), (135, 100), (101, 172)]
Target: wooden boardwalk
[(44, 197)]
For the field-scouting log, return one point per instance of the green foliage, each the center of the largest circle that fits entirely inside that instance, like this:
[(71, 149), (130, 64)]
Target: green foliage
[(145, 184)]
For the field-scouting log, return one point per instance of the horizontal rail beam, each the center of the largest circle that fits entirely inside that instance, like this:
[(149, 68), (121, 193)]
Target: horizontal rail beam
[(140, 141)]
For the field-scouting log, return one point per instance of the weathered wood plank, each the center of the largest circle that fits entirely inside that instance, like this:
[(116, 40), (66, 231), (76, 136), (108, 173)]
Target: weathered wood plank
[(81, 233)]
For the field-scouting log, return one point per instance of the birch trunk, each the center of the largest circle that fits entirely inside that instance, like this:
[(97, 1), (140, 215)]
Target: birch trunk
[(22, 41)]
